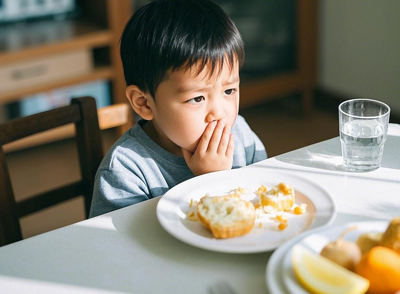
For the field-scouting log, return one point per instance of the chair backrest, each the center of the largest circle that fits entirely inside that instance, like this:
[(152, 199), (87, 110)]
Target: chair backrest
[(82, 112)]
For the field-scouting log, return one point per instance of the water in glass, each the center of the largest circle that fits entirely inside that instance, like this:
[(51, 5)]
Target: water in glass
[(362, 143)]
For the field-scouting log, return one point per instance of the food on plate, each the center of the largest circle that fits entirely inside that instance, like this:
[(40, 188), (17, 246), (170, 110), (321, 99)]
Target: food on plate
[(282, 226), (226, 216), (283, 221), (321, 275), (300, 209), (391, 237), (381, 266), (367, 241), (192, 203), (282, 218), (275, 203), (261, 189), (191, 215), (279, 198), (343, 252), (243, 190)]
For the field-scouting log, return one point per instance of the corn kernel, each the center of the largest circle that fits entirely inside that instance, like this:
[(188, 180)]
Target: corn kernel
[(286, 189), (281, 218), (282, 226), (262, 189), (300, 209)]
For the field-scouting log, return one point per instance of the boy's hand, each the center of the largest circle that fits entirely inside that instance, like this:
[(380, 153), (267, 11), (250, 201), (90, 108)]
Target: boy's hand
[(215, 150)]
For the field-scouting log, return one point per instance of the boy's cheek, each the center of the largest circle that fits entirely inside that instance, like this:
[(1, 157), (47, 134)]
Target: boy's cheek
[(190, 137), (193, 147), (194, 141)]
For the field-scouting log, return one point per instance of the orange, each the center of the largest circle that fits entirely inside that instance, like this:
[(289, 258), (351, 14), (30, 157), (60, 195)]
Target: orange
[(381, 266)]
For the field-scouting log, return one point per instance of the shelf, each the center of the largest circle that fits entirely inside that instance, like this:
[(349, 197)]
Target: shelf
[(99, 73), (257, 91), (23, 41), (97, 30), (302, 80)]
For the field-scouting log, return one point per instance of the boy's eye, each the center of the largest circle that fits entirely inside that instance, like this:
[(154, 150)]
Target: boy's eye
[(195, 100), (230, 91)]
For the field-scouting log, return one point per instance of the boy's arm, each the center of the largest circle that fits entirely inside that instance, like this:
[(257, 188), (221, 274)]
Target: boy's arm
[(114, 190), (214, 152), (253, 147), (259, 153)]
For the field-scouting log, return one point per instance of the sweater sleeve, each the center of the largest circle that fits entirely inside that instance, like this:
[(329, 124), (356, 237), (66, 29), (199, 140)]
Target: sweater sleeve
[(254, 148), (117, 189), (258, 153)]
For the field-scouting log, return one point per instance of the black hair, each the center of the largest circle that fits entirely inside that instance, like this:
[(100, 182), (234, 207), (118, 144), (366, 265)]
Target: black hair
[(168, 35)]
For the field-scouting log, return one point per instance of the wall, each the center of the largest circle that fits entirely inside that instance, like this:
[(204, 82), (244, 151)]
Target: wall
[(360, 49)]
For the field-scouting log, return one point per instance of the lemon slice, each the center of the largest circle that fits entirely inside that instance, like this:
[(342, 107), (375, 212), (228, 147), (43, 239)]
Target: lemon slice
[(320, 275)]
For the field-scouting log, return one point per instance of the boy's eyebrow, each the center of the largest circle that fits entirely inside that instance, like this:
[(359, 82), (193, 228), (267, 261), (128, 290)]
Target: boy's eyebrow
[(189, 88), (235, 80)]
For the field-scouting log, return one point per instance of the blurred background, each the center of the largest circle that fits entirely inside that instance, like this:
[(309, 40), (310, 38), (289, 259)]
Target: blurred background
[(303, 57)]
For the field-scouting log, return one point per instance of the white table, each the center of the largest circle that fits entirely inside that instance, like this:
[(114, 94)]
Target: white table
[(127, 251)]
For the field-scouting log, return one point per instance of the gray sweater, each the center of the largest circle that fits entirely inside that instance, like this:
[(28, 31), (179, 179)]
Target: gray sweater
[(136, 168)]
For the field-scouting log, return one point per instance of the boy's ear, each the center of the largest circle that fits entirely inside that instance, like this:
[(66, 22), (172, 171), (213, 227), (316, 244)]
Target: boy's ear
[(138, 101)]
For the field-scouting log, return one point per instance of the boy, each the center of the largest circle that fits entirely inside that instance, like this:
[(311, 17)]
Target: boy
[(181, 62)]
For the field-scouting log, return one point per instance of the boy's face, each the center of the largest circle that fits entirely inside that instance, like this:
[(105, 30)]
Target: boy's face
[(186, 102)]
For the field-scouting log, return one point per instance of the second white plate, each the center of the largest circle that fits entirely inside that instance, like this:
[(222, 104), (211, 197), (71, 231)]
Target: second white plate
[(280, 277), (173, 207)]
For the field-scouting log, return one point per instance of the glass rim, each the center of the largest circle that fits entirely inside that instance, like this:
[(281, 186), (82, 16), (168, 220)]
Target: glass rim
[(364, 117)]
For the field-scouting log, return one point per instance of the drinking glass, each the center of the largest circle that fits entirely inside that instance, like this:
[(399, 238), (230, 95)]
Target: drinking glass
[(363, 125)]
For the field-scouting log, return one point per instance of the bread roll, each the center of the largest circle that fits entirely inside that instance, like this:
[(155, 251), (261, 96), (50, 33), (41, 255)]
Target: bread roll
[(226, 216)]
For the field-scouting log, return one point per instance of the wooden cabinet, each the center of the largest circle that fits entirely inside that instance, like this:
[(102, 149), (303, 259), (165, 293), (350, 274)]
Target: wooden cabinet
[(301, 78), (97, 28)]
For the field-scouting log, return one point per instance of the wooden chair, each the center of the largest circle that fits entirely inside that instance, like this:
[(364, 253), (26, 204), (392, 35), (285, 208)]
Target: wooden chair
[(82, 115)]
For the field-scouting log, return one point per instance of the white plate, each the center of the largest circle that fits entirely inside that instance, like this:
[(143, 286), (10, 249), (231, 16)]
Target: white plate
[(280, 277), (174, 206)]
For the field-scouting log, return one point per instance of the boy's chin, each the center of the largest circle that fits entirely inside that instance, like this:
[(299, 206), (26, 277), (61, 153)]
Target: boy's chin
[(192, 147), (190, 150)]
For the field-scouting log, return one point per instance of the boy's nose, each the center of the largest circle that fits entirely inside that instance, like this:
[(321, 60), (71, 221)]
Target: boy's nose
[(216, 113)]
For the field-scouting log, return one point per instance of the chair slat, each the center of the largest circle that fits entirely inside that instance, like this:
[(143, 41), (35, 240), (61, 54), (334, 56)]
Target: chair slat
[(26, 126), (82, 113), (47, 199)]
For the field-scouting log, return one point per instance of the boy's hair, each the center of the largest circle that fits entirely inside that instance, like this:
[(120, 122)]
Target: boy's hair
[(174, 34)]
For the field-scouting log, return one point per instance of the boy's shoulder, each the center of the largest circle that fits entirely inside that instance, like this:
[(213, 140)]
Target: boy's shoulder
[(135, 149), (127, 149), (240, 120), (241, 125)]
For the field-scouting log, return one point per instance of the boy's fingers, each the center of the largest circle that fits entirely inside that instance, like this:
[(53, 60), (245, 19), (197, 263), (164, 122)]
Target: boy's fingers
[(205, 139), (215, 141), (224, 142), (231, 146), (186, 155)]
